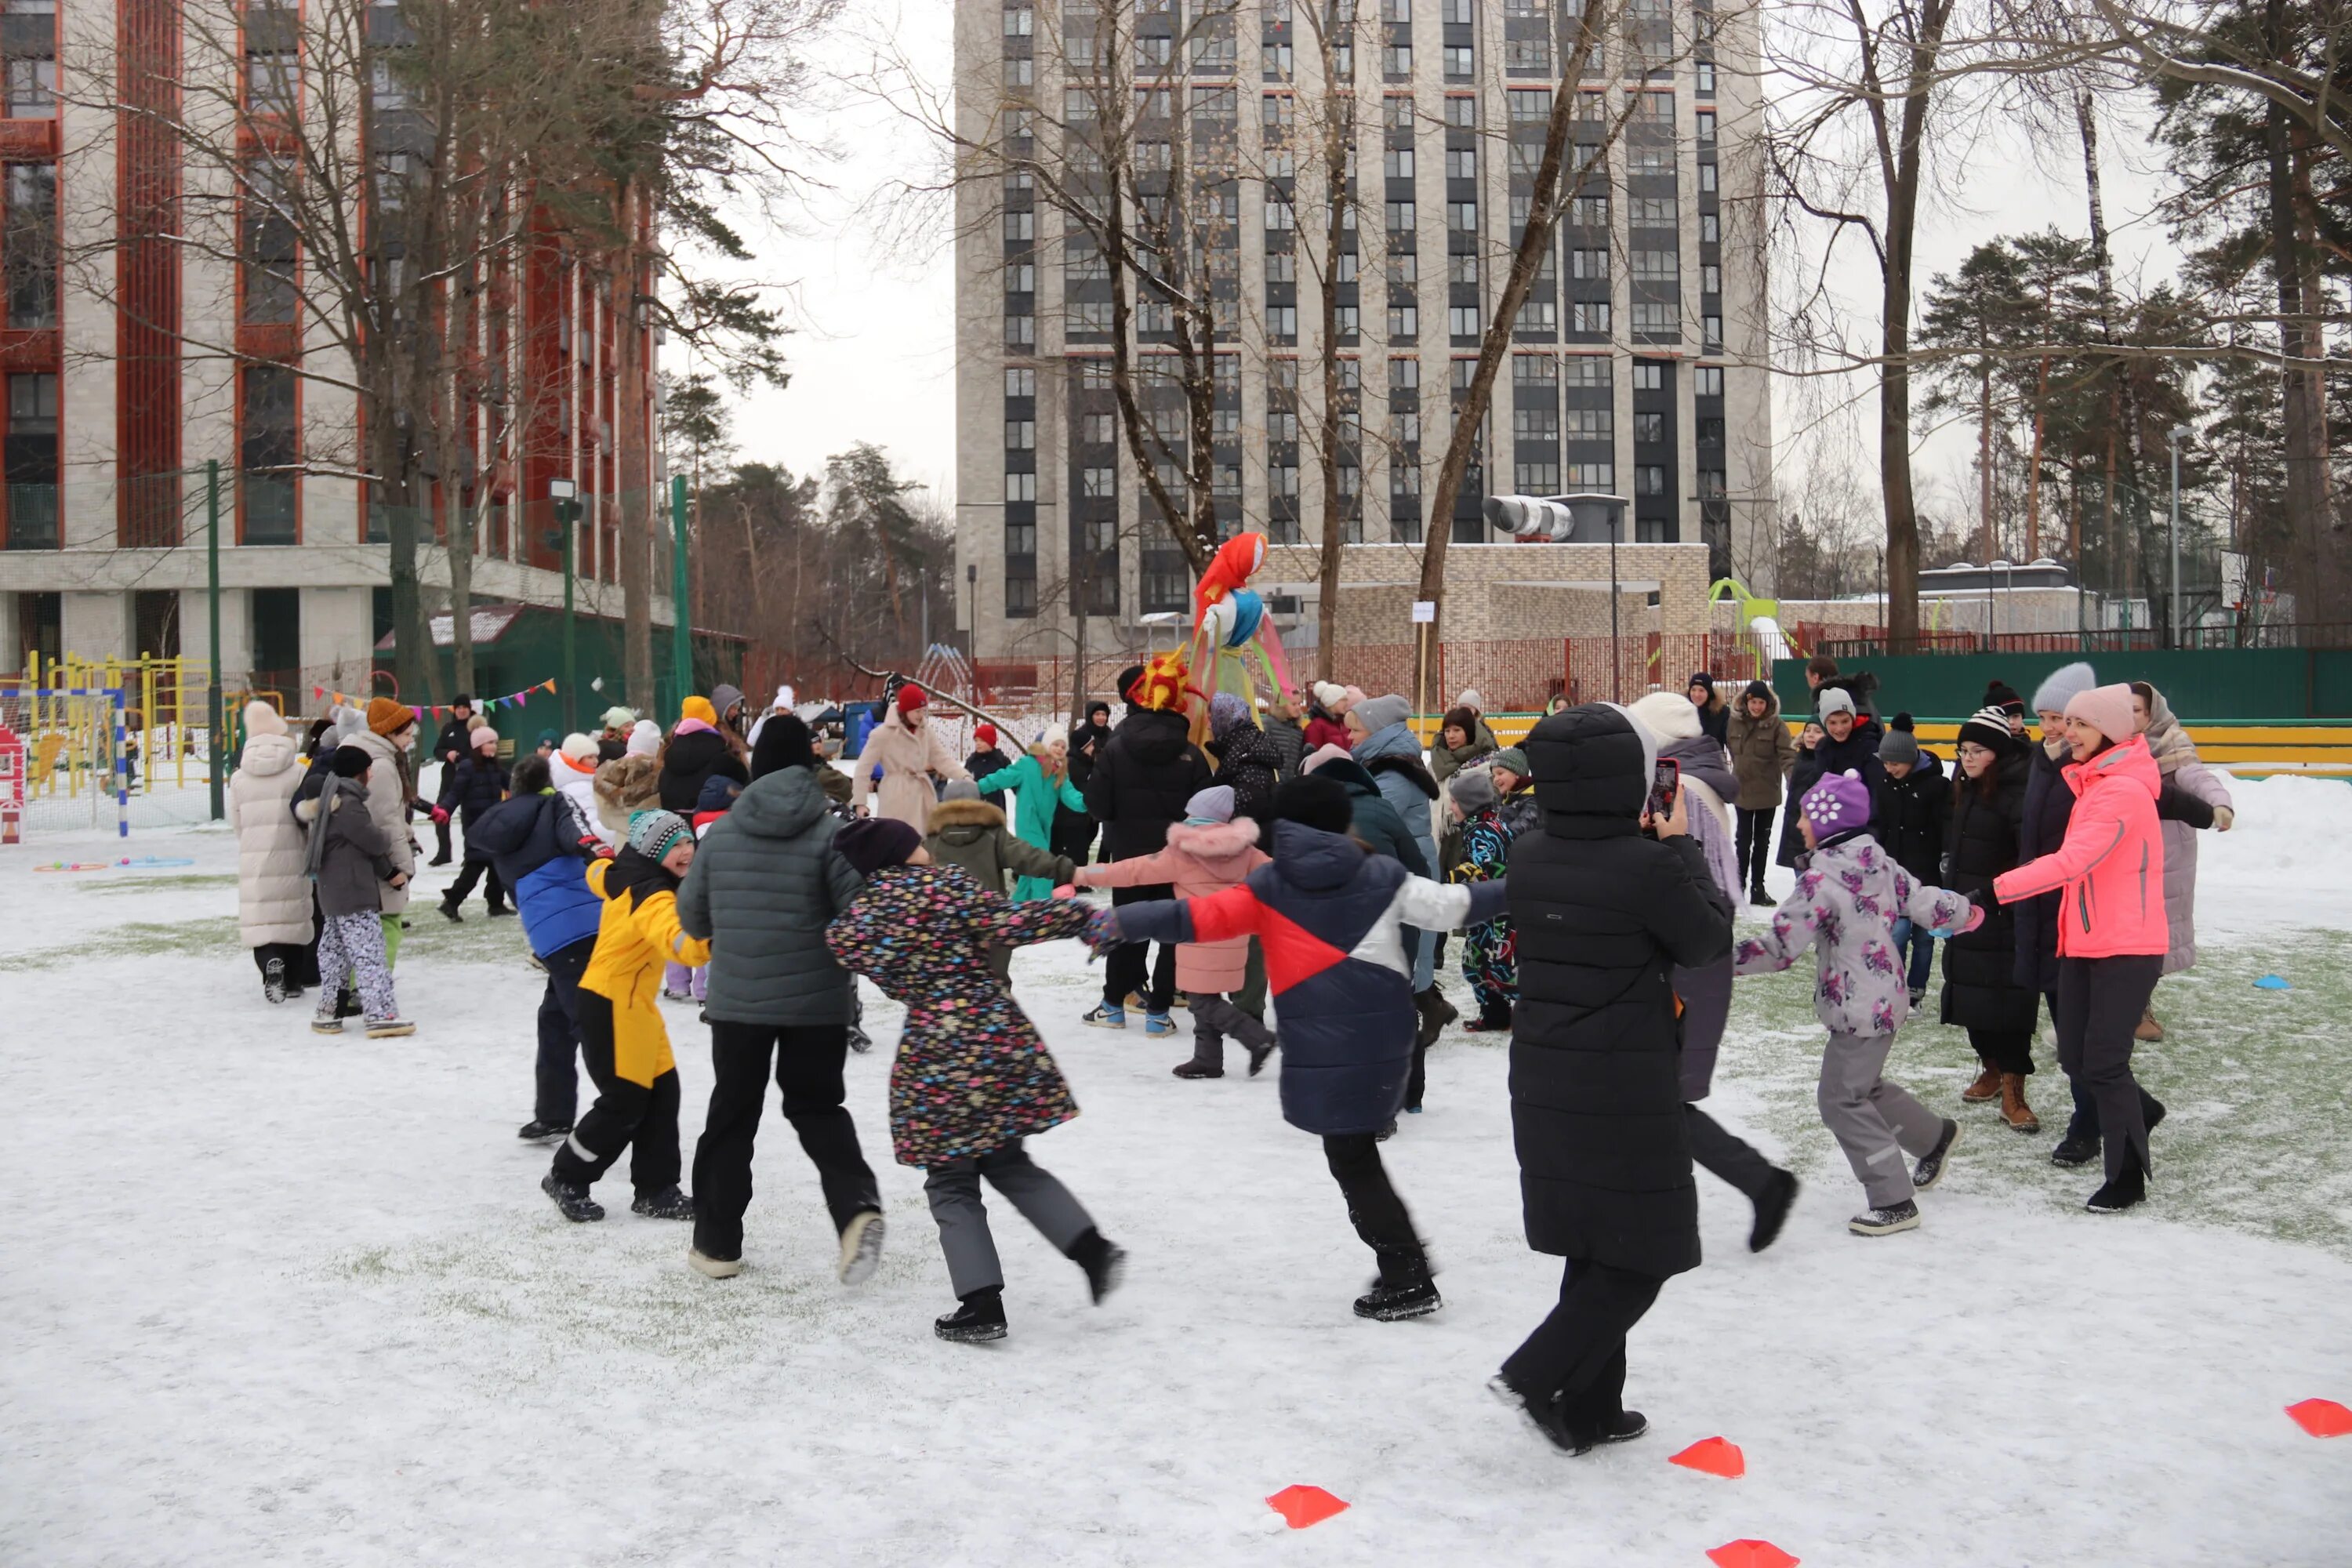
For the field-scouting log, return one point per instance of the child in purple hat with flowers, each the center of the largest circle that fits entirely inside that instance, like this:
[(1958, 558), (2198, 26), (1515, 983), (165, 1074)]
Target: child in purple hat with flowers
[(1850, 892)]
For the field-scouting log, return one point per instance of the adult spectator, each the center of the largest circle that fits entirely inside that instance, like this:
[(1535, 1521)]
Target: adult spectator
[(1148, 771), (1762, 752), (1713, 716), (2178, 763), (909, 754), (697, 750), (1385, 744), (1074, 831), (1284, 727), (1981, 993), (273, 888), (449, 748)]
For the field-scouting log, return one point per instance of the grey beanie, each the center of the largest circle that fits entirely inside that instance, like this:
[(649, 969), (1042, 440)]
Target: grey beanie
[(1472, 789), (2065, 683), (960, 789), (1836, 699), (1899, 746), (1380, 712)]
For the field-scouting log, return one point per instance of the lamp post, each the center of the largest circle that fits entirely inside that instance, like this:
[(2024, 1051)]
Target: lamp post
[(212, 589), (2177, 435), (563, 495)]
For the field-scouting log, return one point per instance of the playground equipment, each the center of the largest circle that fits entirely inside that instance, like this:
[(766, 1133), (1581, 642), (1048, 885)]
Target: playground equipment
[(68, 748)]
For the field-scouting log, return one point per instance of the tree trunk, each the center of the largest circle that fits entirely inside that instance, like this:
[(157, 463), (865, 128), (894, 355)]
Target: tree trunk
[(2301, 396), (2033, 466), (636, 474), (1984, 456)]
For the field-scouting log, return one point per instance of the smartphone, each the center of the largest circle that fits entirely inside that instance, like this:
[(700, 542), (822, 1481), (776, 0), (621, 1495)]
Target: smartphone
[(1665, 779)]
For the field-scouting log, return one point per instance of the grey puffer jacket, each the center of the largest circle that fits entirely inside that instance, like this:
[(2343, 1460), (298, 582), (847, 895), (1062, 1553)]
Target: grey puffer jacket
[(764, 885)]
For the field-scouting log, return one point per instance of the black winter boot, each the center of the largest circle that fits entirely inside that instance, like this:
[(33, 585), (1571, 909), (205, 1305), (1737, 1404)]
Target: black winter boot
[(573, 1201), (1386, 1303), (668, 1203), (1772, 1208), (1435, 1013), (978, 1320), (1104, 1261)]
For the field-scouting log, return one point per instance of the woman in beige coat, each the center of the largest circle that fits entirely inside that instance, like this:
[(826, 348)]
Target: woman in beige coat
[(273, 894), (910, 752), (390, 735)]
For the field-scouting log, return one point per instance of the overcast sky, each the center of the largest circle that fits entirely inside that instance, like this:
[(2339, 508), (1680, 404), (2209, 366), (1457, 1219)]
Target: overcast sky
[(872, 354)]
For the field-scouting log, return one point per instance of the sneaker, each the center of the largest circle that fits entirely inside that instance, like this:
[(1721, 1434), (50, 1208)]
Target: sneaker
[(1105, 1015), (1930, 1168), (711, 1267), (273, 980), (1103, 1260), (667, 1204), (1772, 1208), (861, 1249), (1918, 995), (326, 1024), (571, 1201), (2074, 1150), (1395, 1303), (538, 1132), (449, 911), (386, 1028), (1904, 1215), (2127, 1191), (859, 1040), (1193, 1068), (670, 996), (979, 1320), (1986, 1088), (1155, 1024)]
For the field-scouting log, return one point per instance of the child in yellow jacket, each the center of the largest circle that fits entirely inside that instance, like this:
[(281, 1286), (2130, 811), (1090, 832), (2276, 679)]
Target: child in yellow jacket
[(623, 1043)]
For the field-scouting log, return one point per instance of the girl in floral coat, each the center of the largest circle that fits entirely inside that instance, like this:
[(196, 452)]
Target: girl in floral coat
[(1490, 952), (972, 1078)]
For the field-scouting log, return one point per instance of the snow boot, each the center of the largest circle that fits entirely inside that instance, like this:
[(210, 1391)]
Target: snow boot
[(1386, 1303), (1918, 995), (326, 1024), (1194, 1067), (499, 909), (980, 1320), (1103, 1015), (859, 1040), (1542, 1412), (667, 1204), (573, 1202), (1772, 1207), (2127, 1191), (1760, 899), (1930, 1168), (449, 911), (273, 980), (1904, 1215), (711, 1267), (2149, 1031), (1435, 1012), (1987, 1087), (2013, 1108), (538, 1132), (1104, 1261), (1257, 1055), (1158, 1024), (387, 1028), (861, 1248), (2075, 1150), (1622, 1427)]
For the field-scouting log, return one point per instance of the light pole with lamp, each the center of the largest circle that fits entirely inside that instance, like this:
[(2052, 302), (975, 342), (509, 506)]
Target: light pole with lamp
[(2177, 435), (563, 497)]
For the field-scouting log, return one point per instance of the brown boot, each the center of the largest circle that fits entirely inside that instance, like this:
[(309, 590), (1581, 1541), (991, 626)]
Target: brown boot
[(2150, 1029), (1986, 1088), (2013, 1108)]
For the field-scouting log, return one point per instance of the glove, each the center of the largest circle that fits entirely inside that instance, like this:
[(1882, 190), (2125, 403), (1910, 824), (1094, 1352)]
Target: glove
[(1102, 931), (2222, 816), (1066, 891), (440, 817)]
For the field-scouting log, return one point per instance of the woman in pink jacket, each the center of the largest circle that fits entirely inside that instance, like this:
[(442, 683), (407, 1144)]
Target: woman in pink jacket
[(2112, 933)]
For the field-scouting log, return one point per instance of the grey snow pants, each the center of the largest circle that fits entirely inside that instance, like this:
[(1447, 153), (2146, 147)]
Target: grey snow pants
[(954, 1191), (1874, 1122)]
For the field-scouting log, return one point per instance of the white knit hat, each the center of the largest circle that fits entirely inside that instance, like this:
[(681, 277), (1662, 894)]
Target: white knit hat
[(579, 747), (644, 739), (1472, 698), (1330, 693)]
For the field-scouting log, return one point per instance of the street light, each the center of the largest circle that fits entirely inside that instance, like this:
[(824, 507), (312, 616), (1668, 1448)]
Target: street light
[(564, 496), (2177, 435)]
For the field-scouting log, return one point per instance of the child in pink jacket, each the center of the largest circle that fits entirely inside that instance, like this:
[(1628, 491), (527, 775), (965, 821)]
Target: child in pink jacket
[(1208, 852), (2112, 931)]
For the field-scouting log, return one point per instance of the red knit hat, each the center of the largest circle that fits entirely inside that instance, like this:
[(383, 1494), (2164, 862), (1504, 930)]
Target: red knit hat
[(911, 696), (985, 733)]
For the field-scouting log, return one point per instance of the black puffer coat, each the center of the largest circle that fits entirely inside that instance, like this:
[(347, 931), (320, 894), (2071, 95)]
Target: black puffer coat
[(1147, 770), (471, 785), (1248, 761), (1804, 775), (1918, 808), (1602, 915), (690, 759), (1980, 985)]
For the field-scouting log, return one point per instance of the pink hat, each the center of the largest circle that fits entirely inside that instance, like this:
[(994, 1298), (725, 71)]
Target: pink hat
[(1839, 803), (1321, 755), (481, 735), (2108, 710)]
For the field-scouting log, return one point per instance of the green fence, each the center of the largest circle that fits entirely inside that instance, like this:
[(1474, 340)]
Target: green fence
[(2223, 686)]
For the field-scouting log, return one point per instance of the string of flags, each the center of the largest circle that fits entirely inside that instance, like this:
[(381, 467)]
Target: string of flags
[(481, 704)]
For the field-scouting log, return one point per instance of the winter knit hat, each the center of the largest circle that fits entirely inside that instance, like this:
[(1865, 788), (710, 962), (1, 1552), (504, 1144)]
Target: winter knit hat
[(2108, 710), (1319, 803), (985, 733), (1213, 805), (481, 735), (1899, 745), (1330, 752), (386, 716), (1836, 699), (1227, 712), (618, 718), (261, 719), (644, 740), (911, 696), (550, 739), (783, 743), (1701, 679), (698, 708), (718, 793), (871, 843), (1054, 735), (653, 834), (1472, 789), (1839, 803), (1987, 727), (579, 747), (1513, 758), (1757, 689), (1378, 713), (1472, 698), (1330, 693), (959, 789), (2053, 695), (2001, 695), (350, 762)]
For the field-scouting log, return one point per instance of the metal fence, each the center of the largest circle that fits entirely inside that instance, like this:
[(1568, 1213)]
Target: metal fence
[(1873, 644)]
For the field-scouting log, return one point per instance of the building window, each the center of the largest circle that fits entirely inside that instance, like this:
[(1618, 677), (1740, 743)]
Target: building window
[(267, 453), (1710, 228), (1020, 382), (1589, 212), (1707, 126), (1592, 476), (1020, 486), (1535, 478), (1649, 428), (1460, 59), (1461, 112), (1710, 279), (1021, 333), (1590, 425), (1655, 266), (1535, 424), (1529, 105), (1020, 435), (1590, 370), (270, 248), (1396, 162), (1462, 321), (1706, 177), (1404, 321), (1537, 316), (1649, 479), (1710, 381), (1710, 432), (28, 245), (1711, 330), (32, 86), (1020, 594), (1655, 318), (1534, 370), (1707, 77), (30, 459), (1649, 211), (1098, 484), (1282, 322), (1020, 226), (1710, 484), (1648, 376), (1588, 316), (1400, 216)]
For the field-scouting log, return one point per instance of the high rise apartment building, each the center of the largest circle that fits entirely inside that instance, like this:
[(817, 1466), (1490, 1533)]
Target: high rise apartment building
[(156, 321), (1637, 361)]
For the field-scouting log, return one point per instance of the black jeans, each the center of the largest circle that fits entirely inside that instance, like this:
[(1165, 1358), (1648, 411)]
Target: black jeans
[(1727, 1155), (639, 1117), (1754, 839), (1123, 971), (808, 1062), (2004, 1050), (495, 895), (1073, 834), (1579, 1351), (555, 1095), (2100, 1003), (1373, 1206)]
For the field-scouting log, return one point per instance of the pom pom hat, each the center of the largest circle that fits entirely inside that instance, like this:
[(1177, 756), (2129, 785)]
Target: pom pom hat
[(1839, 803)]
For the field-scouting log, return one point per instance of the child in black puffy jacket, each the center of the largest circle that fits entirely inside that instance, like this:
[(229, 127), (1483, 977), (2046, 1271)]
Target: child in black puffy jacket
[(1919, 809), (470, 786)]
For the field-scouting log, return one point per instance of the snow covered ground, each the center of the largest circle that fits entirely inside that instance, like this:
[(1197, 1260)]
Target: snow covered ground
[(274, 1299)]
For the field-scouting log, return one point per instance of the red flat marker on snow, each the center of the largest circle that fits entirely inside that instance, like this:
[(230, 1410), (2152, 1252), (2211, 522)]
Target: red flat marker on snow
[(1750, 1554), (1714, 1456), (2322, 1417), (1303, 1506)]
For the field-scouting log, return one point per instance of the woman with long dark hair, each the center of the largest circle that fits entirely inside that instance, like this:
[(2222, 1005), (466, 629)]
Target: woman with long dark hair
[(1981, 993)]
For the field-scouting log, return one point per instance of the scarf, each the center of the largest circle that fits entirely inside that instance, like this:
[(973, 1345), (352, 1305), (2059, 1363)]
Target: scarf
[(314, 852), (2167, 740)]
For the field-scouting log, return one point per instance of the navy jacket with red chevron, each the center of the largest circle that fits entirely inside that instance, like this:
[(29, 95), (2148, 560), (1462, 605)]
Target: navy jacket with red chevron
[(1329, 917)]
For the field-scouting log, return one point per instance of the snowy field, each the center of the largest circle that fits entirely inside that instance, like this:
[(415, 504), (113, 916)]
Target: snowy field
[(271, 1299)]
